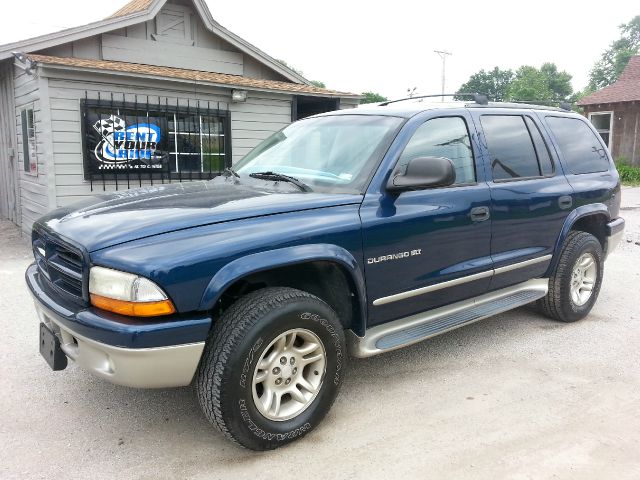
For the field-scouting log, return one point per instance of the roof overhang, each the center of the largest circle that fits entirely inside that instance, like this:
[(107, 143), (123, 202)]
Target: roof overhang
[(50, 65)]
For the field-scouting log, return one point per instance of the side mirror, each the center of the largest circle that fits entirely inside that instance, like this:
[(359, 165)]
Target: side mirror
[(424, 172)]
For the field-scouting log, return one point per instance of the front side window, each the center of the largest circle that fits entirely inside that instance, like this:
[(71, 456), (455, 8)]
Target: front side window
[(580, 147), (443, 137), (511, 149), (603, 122), (332, 153)]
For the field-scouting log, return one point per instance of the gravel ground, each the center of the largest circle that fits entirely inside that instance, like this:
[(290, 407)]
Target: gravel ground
[(516, 396)]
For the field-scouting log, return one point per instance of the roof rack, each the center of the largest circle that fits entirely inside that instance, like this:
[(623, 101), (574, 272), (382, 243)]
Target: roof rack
[(479, 98)]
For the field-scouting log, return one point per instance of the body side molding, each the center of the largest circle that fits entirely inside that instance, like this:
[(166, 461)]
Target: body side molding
[(459, 281)]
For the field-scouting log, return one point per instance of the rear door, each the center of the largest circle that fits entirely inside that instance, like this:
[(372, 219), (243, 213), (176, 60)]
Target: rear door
[(530, 196), (427, 248)]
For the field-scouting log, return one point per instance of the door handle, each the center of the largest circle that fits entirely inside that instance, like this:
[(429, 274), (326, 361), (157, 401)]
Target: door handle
[(479, 214), (565, 202)]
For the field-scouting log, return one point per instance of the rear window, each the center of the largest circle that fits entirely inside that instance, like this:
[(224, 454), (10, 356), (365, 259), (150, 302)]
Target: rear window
[(581, 148)]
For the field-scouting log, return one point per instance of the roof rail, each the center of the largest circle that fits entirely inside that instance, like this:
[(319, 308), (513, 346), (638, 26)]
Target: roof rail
[(479, 98), (482, 100)]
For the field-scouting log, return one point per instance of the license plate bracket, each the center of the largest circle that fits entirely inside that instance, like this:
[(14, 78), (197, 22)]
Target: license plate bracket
[(50, 349)]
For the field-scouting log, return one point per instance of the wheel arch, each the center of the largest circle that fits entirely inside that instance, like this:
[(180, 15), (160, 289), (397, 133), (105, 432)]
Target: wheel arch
[(297, 267), (591, 219)]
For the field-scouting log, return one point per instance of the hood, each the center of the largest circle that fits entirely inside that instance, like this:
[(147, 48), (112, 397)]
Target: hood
[(124, 216)]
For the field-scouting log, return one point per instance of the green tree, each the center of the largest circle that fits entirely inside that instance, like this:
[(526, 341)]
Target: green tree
[(372, 97), (318, 83), (492, 83), (542, 85), (612, 62)]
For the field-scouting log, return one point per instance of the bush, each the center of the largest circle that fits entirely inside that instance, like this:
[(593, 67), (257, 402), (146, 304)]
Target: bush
[(628, 174)]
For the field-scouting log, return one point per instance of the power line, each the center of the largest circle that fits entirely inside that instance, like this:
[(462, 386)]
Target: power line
[(443, 55)]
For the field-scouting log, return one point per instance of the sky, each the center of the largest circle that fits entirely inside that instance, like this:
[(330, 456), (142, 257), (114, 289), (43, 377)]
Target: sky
[(385, 47)]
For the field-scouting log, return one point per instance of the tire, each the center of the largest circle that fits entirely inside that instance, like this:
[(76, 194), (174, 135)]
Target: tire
[(228, 384), (562, 302)]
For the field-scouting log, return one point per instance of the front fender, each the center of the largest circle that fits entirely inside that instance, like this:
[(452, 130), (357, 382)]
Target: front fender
[(282, 257), (572, 218)]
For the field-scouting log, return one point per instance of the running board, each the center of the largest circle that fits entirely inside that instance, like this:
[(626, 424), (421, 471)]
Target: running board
[(413, 329)]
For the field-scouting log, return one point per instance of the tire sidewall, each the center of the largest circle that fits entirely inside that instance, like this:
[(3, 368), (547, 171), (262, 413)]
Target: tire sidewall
[(237, 398), (587, 244)]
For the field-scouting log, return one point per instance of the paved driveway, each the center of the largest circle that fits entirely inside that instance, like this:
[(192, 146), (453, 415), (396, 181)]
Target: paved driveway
[(516, 396)]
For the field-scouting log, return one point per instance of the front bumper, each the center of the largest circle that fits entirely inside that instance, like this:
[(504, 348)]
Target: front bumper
[(125, 351), (614, 231)]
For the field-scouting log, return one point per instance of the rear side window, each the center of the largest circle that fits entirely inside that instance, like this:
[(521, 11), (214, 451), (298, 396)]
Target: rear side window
[(510, 145), (443, 137), (582, 150)]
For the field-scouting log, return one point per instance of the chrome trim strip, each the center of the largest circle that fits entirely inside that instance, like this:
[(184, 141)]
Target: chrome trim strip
[(457, 281), (432, 288), (526, 263), (366, 346)]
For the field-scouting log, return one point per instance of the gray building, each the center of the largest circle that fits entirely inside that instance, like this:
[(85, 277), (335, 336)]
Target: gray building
[(159, 92)]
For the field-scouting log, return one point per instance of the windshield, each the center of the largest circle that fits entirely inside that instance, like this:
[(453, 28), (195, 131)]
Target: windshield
[(333, 153)]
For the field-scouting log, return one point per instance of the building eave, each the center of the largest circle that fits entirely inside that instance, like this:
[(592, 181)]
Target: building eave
[(49, 70)]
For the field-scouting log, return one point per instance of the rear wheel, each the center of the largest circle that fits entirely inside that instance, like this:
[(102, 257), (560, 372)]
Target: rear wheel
[(575, 283), (272, 367)]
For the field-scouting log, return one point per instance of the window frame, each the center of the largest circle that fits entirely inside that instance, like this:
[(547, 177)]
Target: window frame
[(533, 144), (610, 131), (473, 154), (29, 140)]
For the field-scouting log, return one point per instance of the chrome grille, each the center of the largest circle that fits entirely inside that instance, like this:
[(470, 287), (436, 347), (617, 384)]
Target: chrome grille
[(61, 265)]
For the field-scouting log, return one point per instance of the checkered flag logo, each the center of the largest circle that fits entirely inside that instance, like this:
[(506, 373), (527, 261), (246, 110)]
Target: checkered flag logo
[(109, 125)]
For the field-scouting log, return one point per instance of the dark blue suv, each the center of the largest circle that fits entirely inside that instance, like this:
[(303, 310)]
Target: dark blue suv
[(357, 231)]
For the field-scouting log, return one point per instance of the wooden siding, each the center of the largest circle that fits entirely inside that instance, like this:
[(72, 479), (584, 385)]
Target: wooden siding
[(149, 52), (9, 163), (625, 141), (251, 122), (34, 194)]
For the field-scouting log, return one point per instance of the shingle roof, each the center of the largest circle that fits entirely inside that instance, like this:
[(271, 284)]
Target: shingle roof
[(184, 74), (134, 6), (625, 89)]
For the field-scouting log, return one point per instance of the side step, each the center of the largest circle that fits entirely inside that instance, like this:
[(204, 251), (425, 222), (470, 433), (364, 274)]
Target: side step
[(410, 330)]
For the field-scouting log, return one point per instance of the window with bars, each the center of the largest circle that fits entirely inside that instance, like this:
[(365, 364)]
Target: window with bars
[(155, 139)]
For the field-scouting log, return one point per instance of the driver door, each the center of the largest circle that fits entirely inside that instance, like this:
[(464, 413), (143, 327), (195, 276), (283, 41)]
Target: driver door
[(428, 248)]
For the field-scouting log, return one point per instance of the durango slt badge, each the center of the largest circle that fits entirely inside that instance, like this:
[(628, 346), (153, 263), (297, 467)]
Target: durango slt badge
[(395, 256)]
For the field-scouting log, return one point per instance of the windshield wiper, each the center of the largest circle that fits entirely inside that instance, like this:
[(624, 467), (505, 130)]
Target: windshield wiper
[(275, 176)]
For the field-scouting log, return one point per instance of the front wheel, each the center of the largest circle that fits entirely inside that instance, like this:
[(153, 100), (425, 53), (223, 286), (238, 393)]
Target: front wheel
[(272, 368), (575, 283)]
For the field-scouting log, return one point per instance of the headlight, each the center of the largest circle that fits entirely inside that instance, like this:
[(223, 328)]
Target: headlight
[(127, 294)]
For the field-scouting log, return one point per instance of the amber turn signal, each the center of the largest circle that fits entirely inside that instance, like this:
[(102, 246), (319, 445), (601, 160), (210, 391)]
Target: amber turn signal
[(133, 309)]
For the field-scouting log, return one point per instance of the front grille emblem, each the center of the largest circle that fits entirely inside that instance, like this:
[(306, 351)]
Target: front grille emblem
[(41, 250)]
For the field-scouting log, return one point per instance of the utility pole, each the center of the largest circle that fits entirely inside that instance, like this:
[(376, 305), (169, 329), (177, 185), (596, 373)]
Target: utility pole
[(443, 55)]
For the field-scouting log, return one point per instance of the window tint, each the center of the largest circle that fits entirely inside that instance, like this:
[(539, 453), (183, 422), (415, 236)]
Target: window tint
[(546, 164), (510, 148), (580, 147), (443, 137)]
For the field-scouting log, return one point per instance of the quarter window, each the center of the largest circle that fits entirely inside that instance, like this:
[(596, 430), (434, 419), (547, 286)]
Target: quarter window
[(581, 148), (443, 137), (511, 148)]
